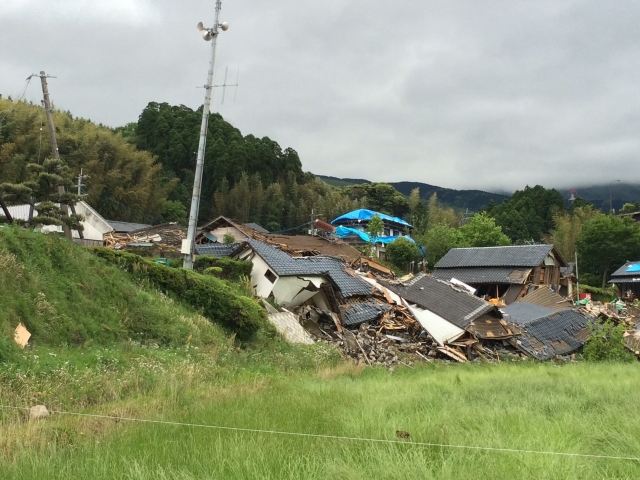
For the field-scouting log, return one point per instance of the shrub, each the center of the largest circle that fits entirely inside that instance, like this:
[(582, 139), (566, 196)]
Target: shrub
[(606, 343), (218, 302), (231, 269), (402, 252), (8, 349), (228, 238)]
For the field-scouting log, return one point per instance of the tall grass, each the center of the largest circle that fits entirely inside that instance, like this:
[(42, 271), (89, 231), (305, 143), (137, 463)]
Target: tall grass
[(583, 408)]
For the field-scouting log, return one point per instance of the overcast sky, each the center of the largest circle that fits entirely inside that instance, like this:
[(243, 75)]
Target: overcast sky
[(492, 95)]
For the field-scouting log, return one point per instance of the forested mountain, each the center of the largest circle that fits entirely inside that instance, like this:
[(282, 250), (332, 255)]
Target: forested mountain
[(474, 200)]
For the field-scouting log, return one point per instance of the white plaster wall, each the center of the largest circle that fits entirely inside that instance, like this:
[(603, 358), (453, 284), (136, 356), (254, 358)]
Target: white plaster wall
[(291, 291), (220, 232), (261, 284)]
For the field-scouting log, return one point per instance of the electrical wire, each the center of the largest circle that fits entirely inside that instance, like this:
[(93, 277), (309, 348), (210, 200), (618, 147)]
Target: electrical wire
[(337, 437), (20, 97)]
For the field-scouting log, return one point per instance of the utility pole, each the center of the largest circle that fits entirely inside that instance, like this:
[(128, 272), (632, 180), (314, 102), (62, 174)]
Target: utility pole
[(208, 34), (611, 196), (80, 178), (54, 146)]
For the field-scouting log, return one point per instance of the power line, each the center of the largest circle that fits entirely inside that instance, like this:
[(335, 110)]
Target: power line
[(335, 437), (20, 97)]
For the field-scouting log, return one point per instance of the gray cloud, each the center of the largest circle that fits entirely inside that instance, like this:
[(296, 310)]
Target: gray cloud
[(489, 95)]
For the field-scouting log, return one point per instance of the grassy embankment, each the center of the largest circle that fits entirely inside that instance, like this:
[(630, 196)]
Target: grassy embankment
[(103, 336)]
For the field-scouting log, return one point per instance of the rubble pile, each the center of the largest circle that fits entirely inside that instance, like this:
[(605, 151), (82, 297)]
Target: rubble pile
[(167, 236)]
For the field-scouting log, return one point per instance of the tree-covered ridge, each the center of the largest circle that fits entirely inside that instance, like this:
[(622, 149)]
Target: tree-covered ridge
[(125, 183), (172, 133)]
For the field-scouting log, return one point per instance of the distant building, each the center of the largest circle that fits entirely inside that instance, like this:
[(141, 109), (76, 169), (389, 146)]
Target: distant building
[(352, 228), (627, 279)]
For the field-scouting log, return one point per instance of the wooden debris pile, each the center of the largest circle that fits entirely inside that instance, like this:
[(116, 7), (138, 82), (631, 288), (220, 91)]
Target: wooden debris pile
[(167, 236)]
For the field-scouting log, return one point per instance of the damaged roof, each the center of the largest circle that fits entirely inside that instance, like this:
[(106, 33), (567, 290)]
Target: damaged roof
[(444, 299), (484, 275), (507, 256), (523, 312), (557, 334), (545, 297), (359, 313), (126, 227), (303, 245), (216, 249), (285, 265)]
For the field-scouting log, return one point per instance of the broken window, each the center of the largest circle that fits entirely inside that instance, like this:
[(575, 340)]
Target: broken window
[(269, 275)]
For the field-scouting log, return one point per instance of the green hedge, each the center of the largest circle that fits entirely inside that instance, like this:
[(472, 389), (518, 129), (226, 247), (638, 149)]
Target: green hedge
[(218, 302), (231, 269)]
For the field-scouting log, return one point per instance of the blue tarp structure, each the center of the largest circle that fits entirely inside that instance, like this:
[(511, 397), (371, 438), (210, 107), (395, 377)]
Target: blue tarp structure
[(633, 268), (364, 214), (342, 232)]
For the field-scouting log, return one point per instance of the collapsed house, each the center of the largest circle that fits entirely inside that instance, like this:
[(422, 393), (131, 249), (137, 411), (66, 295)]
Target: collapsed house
[(294, 245), (291, 281), (551, 325), (627, 280), (505, 273)]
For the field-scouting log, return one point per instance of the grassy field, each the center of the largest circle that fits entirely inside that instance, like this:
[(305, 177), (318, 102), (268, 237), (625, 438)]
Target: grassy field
[(578, 408)]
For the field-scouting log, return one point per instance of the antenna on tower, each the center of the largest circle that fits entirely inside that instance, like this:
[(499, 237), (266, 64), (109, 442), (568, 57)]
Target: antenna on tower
[(225, 84)]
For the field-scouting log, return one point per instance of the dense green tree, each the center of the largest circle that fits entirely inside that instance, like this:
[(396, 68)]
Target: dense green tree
[(482, 231), (606, 243), (124, 184), (380, 197), (438, 240), (375, 228), (630, 207), (402, 252), (528, 214), (438, 214), (568, 228)]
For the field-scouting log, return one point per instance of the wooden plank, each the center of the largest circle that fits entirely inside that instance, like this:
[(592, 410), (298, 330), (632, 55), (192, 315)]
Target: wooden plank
[(387, 296)]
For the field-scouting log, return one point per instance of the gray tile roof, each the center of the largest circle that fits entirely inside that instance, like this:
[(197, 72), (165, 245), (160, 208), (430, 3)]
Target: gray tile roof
[(557, 334), (509, 256), (444, 299), (216, 249), (483, 275), (622, 271), (523, 312), (363, 312), (285, 265), (256, 227), (126, 227)]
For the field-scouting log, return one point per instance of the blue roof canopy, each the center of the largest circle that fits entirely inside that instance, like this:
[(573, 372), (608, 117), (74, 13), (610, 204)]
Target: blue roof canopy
[(366, 215), (633, 268)]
